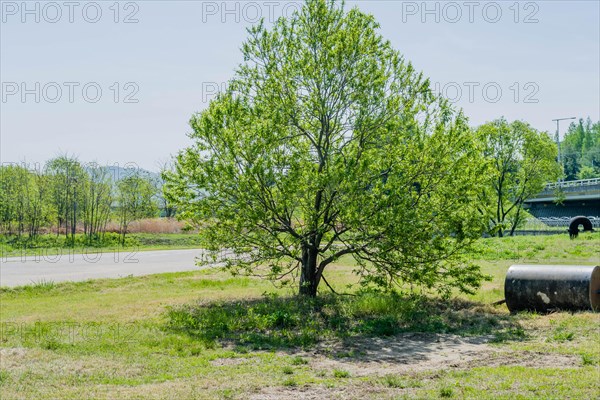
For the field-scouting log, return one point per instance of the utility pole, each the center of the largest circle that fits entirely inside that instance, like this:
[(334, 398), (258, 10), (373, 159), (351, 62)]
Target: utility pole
[(558, 138)]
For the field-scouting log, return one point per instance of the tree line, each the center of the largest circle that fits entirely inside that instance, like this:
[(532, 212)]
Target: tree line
[(66, 196), (580, 150)]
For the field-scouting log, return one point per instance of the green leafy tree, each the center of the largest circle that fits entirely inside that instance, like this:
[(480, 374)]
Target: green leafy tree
[(39, 205), (167, 208), (135, 200), (522, 161), (68, 181), (24, 200), (328, 143), (9, 192), (581, 150), (97, 201), (587, 172), (14, 188)]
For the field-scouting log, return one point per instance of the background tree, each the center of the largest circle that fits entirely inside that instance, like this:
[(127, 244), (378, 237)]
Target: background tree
[(167, 207), (39, 210), (522, 160), (580, 150), (9, 190), (97, 201), (24, 200), (14, 194), (327, 143), (135, 200), (68, 180)]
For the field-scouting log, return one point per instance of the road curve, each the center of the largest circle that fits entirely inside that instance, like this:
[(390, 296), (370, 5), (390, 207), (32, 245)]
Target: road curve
[(28, 270)]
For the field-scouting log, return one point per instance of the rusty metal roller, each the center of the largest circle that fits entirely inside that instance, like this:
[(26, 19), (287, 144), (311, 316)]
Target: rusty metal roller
[(552, 287)]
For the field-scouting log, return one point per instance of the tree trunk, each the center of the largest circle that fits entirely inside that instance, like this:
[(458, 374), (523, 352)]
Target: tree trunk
[(516, 222), (308, 276)]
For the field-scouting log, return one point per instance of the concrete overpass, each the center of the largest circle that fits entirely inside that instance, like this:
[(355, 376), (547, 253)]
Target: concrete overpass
[(580, 197)]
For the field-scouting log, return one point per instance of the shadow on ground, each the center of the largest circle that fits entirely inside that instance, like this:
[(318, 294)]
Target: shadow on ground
[(281, 323)]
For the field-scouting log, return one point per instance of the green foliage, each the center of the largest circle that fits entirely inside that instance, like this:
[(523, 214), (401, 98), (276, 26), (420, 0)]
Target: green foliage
[(521, 160), (68, 179), (581, 150), (587, 172), (67, 197), (53, 242), (135, 198), (24, 200), (329, 143), (97, 201)]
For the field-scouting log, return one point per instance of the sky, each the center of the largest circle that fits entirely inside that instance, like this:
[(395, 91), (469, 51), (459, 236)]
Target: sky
[(117, 82)]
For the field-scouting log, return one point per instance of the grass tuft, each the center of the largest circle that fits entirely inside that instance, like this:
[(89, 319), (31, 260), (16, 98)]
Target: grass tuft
[(287, 370), (340, 373), (393, 381), (299, 361), (290, 382)]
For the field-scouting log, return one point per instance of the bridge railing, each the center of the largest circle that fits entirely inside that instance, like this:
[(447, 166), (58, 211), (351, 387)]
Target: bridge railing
[(572, 184)]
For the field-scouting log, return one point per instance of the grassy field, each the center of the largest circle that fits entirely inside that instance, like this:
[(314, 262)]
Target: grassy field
[(50, 244), (207, 335)]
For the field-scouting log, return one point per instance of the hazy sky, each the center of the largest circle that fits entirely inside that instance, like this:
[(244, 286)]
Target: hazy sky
[(75, 81)]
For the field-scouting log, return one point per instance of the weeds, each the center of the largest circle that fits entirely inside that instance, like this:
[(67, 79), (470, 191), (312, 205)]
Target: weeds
[(299, 361), (287, 370), (290, 382), (446, 392), (340, 373), (393, 381)]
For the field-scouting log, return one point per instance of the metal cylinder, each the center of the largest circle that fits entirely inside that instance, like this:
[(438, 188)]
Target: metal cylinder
[(552, 287)]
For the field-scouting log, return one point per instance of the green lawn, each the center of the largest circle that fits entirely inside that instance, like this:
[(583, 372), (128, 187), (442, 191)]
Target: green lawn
[(51, 244), (205, 334)]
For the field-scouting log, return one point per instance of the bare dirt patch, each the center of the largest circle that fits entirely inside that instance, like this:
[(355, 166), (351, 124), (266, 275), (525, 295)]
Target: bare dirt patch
[(528, 359), (408, 355), (400, 354), (318, 393), (11, 356)]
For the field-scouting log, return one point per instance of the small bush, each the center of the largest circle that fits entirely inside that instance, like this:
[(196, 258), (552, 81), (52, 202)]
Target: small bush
[(446, 392)]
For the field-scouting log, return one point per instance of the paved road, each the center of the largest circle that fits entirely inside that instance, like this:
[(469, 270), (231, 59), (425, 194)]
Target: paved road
[(79, 267)]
